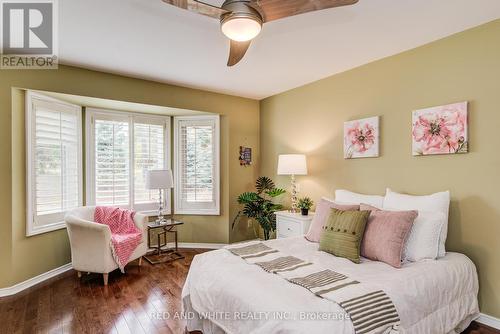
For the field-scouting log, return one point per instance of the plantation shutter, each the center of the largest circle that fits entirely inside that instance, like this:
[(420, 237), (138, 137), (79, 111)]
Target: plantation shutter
[(150, 152), (121, 148), (112, 162), (54, 161), (197, 162)]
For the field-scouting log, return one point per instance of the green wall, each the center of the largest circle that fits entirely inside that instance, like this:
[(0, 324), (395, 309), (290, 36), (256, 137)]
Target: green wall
[(462, 67), (23, 257)]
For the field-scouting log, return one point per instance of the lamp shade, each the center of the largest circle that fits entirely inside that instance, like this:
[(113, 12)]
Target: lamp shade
[(159, 179), (292, 164)]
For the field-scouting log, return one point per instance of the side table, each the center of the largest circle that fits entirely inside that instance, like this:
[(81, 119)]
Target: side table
[(161, 254), (290, 224)]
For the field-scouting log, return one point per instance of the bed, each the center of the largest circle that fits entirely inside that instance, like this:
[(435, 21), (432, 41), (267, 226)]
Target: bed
[(225, 294)]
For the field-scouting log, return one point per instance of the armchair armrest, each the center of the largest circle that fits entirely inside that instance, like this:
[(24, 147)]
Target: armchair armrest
[(77, 225), (89, 243), (141, 221)]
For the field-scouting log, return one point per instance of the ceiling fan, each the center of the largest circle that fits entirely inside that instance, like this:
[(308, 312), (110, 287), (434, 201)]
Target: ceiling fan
[(242, 20)]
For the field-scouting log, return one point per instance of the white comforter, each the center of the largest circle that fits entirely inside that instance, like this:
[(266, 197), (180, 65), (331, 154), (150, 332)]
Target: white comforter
[(431, 296)]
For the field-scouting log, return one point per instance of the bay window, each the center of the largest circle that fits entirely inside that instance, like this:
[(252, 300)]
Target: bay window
[(120, 149)]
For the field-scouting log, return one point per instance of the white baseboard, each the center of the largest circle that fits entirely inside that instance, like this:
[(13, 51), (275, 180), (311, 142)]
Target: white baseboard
[(200, 245), (488, 320), (12, 290)]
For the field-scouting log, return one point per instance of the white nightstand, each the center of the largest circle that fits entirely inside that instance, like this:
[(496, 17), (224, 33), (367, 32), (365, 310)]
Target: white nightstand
[(290, 224)]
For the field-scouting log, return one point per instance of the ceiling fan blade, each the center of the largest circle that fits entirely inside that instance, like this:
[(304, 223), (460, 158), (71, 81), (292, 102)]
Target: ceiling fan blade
[(278, 9), (197, 7), (236, 52)]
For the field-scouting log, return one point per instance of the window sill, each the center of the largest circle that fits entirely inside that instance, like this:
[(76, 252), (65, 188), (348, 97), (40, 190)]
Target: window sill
[(198, 212), (36, 230), (153, 213)]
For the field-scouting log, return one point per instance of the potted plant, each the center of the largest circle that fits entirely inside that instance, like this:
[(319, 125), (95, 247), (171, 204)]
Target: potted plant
[(305, 203), (259, 205)]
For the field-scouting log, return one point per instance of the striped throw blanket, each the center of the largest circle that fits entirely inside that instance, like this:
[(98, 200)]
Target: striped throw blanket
[(370, 309)]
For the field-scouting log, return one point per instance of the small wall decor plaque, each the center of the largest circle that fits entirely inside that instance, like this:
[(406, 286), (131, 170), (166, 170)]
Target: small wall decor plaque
[(440, 130), (361, 138), (245, 156)]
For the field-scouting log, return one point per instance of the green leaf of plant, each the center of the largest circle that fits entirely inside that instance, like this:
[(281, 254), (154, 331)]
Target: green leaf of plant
[(252, 210), (275, 192), (248, 197), (264, 183), (277, 207)]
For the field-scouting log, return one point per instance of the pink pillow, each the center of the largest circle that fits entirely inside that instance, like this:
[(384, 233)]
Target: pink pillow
[(321, 216), (385, 234)]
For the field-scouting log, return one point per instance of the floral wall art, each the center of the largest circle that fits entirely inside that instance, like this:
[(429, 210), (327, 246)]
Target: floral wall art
[(440, 130), (361, 138)]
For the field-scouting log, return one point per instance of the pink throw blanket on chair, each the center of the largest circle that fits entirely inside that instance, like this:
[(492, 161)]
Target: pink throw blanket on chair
[(125, 236)]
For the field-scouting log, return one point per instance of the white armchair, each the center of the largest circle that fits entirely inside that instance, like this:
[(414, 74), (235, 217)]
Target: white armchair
[(90, 242)]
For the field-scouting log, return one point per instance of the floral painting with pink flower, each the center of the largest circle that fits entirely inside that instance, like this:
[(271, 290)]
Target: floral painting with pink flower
[(361, 138), (440, 130)]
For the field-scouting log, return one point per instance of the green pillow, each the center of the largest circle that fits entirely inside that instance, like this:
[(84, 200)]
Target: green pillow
[(343, 232)]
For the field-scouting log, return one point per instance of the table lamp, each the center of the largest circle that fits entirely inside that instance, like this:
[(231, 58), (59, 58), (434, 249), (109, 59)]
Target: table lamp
[(161, 180), (292, 164)]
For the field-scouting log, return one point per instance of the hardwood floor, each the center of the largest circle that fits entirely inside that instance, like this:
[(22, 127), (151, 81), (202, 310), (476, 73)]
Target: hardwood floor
[(131, 303)]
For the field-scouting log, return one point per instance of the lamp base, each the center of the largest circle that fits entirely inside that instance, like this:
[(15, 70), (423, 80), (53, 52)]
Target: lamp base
[(162, 220), (294, 196)]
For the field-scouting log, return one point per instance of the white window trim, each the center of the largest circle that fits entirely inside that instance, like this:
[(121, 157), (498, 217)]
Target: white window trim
[(90, 115), (31, 228), (177, 163), (167, 193)]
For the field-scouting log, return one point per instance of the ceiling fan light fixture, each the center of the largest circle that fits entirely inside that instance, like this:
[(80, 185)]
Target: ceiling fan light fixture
[(242, 20), (241, 28)]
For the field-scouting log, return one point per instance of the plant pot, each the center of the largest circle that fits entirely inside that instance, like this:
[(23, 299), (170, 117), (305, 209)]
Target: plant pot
[(259, 232), (304, 212)]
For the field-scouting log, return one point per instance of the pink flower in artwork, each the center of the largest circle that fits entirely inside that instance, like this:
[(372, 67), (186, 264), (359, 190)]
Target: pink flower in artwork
[(361, 137), (441, 131)]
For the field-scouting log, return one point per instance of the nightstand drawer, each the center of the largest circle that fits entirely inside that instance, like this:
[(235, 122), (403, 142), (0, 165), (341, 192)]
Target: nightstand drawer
[(290, 224), (288, 228)]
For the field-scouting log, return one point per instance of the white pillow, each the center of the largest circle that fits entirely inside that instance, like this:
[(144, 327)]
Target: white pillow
[(438, 202), (423, 240), (348, 197)]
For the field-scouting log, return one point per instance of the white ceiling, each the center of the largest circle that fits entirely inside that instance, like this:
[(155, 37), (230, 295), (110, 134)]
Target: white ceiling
[(151, 40)]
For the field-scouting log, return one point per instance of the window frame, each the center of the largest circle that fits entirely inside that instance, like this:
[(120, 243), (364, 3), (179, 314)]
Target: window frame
[(32, 228), (91, 114), (167, 139), (178, 208)]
